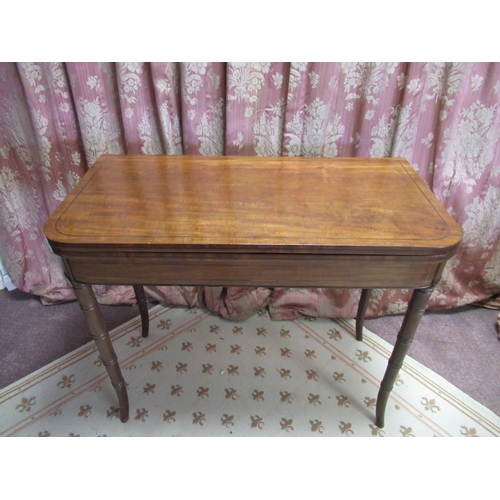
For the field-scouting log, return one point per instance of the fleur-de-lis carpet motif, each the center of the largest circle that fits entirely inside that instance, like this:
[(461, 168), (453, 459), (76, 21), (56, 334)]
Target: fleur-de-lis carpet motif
[(200, 375)]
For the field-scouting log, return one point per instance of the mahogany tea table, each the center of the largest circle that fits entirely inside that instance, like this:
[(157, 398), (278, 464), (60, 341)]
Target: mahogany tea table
[(253, 221)]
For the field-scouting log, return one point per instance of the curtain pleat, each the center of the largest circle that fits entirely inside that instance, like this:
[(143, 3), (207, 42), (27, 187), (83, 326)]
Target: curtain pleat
[(56, 119)]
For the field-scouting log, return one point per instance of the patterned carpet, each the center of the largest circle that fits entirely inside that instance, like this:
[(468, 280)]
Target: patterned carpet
[(200, 375)]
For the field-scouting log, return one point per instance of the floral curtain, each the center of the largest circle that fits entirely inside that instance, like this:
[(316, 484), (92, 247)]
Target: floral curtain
[(56, 119)]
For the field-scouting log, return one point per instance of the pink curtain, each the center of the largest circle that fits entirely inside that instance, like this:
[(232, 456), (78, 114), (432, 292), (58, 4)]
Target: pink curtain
[(56, 119)]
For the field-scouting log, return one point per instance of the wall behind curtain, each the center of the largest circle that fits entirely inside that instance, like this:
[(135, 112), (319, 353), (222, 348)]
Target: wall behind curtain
[(56, 119)]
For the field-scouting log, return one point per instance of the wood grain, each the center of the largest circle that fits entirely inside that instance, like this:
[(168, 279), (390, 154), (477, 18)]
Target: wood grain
[(253, 204), (294, 270)]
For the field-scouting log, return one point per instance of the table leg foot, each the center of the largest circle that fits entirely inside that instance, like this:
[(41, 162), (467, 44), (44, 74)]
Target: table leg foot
[(143, 308), (360, 318), (416, 308), (100, 334)]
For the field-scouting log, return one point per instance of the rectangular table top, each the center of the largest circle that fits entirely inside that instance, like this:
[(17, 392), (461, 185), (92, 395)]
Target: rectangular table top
[(377, 206)]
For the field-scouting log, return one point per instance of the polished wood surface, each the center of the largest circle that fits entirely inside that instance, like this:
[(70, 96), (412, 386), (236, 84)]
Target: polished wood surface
[(240, 269), (248, 221), (254, 204)]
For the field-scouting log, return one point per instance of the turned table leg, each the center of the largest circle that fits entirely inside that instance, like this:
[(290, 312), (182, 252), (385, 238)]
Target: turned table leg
[(100, 334), (360, 318), (416, 308), (143, 308)]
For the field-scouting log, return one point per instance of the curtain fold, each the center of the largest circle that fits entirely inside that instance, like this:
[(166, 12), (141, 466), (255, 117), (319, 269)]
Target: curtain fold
[(56, 119)]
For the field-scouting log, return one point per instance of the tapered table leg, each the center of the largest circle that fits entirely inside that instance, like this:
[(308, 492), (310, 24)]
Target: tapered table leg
[(360, 318), (143, 308), (416, 308), (100, 334)]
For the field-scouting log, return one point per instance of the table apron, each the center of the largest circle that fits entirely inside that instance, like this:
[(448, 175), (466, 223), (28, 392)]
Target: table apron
[(259, 270)]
